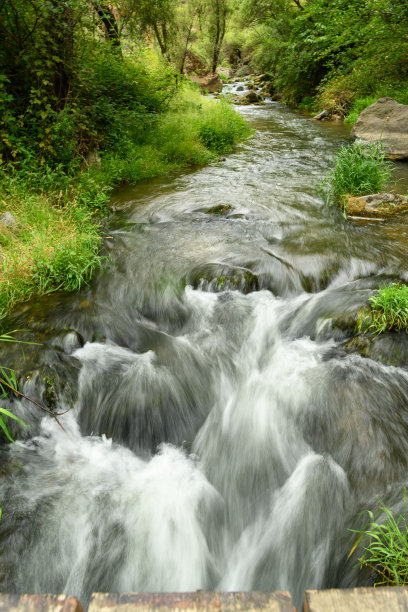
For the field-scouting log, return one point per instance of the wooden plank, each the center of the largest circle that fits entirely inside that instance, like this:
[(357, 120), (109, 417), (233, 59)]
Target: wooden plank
[(380, 599), (198, 601), (39, 603)]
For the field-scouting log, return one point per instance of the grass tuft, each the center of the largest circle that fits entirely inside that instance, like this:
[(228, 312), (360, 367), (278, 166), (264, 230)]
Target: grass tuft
[(389, 309), (359, 169), (385, 549)]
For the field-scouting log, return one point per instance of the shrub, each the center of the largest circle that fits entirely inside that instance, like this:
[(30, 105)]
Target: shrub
[(386, 552), (359, 169), (358, 106), (389, 309)]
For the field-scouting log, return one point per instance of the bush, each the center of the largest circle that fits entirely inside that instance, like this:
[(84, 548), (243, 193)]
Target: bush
[(389, 309), (359, 169)]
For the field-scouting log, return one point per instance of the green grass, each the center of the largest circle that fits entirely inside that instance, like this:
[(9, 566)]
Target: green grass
[(358, 106), (194, 132), (389, 309), (385, 547), (56, 247), (358, 170)]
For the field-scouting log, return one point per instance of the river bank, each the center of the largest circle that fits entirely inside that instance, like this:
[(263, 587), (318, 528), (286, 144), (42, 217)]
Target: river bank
[(54, 239)]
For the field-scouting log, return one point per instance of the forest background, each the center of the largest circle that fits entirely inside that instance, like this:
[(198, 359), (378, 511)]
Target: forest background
[(93, 93)]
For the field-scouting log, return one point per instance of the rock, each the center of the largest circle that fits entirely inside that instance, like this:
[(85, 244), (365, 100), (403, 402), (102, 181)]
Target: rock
[(269, 88), (277, 97), (223, 277), (390, 348), (251, 86), (265, 78), (220, 209), (384, 121), (93, 160), (227, 72), (9, 221), (209, 82), (321, 115), (377, 205), (194, 65), (250, 97), (240, 88), (201, 74)]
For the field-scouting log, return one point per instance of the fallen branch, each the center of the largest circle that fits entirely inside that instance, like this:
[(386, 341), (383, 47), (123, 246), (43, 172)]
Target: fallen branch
[(55, 415)]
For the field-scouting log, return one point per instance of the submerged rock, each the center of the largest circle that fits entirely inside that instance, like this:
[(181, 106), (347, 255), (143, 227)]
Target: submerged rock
[(385, 121), (220, 209), (216, 277), (377, 205)]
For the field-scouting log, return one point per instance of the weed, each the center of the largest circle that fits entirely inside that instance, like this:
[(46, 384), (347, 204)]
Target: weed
[(386, 552), (359, 169), (389, 309)]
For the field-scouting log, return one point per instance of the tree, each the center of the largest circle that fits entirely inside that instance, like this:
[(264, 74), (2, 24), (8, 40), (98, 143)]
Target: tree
[(217, 23)]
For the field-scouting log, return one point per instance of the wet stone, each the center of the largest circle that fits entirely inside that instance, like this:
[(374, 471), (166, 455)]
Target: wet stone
[(390, 348), (220, 209), (218, 277), (377, 205)]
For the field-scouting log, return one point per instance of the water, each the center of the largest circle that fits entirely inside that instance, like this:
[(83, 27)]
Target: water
[(222, 433)]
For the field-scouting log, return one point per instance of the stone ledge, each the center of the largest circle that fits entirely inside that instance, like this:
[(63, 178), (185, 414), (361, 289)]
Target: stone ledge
[(383, 599), (198, 601), (39, 603), (380, 599)]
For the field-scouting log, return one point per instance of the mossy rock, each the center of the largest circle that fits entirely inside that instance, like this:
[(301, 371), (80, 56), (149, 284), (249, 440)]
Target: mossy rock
[(219, 209), (352, 322), (377, 205), (390, 348)]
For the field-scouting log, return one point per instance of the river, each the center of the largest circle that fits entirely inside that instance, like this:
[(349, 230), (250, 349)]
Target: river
[(222, 435)]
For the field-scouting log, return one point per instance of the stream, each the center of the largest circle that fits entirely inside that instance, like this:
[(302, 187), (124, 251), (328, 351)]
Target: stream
[(224, 432)]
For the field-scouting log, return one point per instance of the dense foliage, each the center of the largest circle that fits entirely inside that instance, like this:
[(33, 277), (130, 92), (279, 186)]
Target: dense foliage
[(336, 52)]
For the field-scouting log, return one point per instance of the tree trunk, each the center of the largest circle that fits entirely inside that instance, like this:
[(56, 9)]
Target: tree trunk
[(108, 22)]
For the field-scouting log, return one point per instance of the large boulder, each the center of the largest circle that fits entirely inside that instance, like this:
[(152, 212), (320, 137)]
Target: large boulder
[(387, 121), (377, 205), (200, 73), (208, 82), (194, 64)]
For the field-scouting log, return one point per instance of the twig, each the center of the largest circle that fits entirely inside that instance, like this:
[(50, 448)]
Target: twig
[(53, 414)]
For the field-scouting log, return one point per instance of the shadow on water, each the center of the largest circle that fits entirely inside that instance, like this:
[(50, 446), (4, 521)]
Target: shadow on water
[(222, 435)]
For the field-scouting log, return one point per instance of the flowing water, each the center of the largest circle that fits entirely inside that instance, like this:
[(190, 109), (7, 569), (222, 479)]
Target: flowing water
[(222, 433)]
